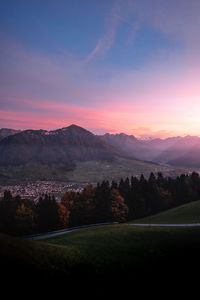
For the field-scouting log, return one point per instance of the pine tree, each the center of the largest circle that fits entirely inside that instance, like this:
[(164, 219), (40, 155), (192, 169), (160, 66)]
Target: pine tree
[(24, 219), (47, 215)]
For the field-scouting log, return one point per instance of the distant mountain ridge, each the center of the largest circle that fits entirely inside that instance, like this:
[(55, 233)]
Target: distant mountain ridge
[(176, 151), (127, 145), (64, 145), (74, 143)]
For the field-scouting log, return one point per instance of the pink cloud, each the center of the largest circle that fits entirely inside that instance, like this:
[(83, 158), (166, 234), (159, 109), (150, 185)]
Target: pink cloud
[(146, 132), (51, 92)]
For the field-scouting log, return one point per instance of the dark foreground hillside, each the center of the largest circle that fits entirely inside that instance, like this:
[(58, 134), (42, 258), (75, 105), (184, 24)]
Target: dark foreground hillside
[(183, 214), (114, 252)]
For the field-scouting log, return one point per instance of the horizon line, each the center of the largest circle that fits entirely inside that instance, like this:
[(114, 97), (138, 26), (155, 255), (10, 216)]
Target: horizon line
[(140, 137)]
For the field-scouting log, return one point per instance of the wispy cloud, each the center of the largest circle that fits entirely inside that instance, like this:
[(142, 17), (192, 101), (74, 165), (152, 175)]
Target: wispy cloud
[(50, 91), (106, 41)]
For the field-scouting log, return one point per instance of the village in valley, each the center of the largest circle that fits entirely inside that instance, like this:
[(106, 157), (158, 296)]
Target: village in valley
[(34, 190)]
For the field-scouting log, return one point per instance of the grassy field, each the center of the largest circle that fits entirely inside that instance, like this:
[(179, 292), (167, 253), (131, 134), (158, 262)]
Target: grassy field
[(90, 171), (111, 252), (107, 252), (93, 171), (188, 213)]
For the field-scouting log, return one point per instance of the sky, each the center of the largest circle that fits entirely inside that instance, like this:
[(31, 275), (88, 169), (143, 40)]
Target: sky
[(113, 66)]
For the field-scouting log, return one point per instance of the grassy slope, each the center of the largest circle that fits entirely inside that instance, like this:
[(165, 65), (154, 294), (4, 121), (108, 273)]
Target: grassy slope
[(188, 213), (107, 252), (90, 171), (93, 171), (29, 257)]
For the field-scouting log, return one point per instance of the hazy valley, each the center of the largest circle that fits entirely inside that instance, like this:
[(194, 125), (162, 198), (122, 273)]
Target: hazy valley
[(77, 155)]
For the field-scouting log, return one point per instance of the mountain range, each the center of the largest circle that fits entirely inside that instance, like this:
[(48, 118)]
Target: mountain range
[(175, 151), (65, 145), (73, 143)]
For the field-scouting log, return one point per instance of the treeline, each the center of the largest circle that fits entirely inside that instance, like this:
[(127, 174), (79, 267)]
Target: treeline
[(22, 216), (129, 199)]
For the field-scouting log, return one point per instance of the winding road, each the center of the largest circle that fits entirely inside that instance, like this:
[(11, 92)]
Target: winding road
[(48, 235), (166, 225)]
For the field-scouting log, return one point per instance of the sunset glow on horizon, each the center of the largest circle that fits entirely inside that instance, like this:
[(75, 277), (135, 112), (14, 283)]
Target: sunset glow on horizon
[(113, 66)]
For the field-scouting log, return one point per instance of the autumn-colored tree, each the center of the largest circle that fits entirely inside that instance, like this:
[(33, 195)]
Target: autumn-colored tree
[(68, 199), (65, 207), (63, 213), (119, 209), (127, 200)]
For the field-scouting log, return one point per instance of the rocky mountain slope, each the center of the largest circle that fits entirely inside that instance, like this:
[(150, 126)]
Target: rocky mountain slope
[(64, 145)]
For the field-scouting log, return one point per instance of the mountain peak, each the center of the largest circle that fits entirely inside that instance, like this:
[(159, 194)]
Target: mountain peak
[(73, 126), (65, 145), (68, 127), (74, 129)]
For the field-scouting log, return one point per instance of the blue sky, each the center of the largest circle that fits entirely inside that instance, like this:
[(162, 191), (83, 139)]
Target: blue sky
[(108, 65), (50, 27)]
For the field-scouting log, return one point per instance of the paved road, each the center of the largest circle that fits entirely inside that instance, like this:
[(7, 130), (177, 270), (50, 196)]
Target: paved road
[(166, 225), (51, 234)]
